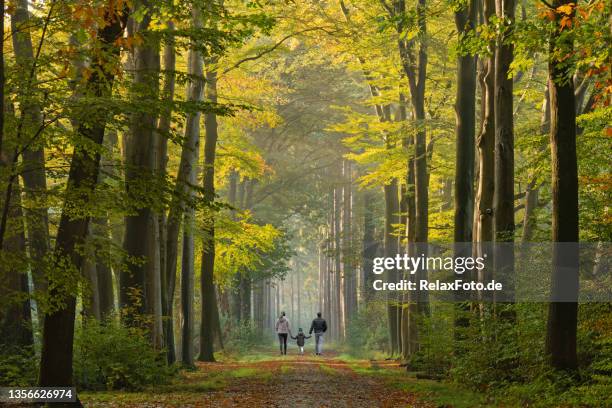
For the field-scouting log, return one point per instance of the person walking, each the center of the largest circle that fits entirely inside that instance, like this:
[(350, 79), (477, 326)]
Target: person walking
[(301, 337), (319, 326), (283, 328)]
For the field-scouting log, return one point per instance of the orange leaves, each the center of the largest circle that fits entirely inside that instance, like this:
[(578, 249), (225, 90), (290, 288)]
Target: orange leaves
[(566, 9), (129, 42)]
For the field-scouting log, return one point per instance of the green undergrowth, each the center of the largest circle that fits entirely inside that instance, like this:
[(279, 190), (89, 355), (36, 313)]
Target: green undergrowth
[(440, 393), (189, 384)]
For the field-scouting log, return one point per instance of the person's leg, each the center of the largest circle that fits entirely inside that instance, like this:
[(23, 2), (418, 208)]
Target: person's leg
[(321, 344), (285, 343), (280, 342), (301, 349), (317, 343)]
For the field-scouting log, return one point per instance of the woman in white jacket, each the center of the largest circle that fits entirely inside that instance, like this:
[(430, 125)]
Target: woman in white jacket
[(283, 329)]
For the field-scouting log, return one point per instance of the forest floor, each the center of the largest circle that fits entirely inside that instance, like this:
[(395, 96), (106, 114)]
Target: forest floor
[(267, 380)]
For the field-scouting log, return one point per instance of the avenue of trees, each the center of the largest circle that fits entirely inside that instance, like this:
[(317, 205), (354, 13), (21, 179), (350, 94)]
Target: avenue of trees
[(173, 174)]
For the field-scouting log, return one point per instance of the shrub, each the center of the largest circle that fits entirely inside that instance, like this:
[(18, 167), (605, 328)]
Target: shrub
[(18, 366), (243, 336), (367, 331), (110, 356)]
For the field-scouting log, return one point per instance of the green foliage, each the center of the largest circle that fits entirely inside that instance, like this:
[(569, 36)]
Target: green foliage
[(110, 356), (244, 336), (514, 367), (18, 366), (367, 332)]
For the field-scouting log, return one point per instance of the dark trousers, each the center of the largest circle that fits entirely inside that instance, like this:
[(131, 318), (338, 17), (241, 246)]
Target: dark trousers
[(282, 339)]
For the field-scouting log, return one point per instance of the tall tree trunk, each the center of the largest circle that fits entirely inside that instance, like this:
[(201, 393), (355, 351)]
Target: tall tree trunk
[(244, 280), (210, 313), (15, 313), (33, 172), (563, 316), (369, 246), (100, 229), (414, 63), (391, 250), (337, 290), (465, 110), (168, 275), (141, 283), (187, 178), (350, 305), (58, 332), (235, 289), (483, 209), (503, 197)]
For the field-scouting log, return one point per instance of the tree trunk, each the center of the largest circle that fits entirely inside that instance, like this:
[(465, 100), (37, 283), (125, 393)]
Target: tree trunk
[(141, 283), (465, 109), (369, 246), (210, 312), (391, 250), (100, 229), (483, 217), (338, 298), (15, 313), (33, 172), (58, 332), (562, 316), (191, 150), (168, 276), (235, 289), (350, 304), (503, 197)]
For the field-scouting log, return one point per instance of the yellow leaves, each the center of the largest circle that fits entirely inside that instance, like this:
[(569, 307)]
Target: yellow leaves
[(567, 9)]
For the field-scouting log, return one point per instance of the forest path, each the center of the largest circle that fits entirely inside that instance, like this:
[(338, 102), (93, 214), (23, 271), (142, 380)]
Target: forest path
[(274, 381), (311, 381)]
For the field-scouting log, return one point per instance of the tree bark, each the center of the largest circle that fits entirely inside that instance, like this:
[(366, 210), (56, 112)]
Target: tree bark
[(187, 165), (33, 172), (563, 316), (483, 209), (58, 332), (503, 197), (168, 276), (188, 169), (465, 109), (391, 250), (15, 314), (210, 313), (141, 283)]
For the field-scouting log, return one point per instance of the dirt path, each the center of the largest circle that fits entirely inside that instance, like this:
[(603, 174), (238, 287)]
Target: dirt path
[(291, 381), (307, 381)]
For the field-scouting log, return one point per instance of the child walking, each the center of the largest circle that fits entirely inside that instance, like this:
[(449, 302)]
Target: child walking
[(300, 339)]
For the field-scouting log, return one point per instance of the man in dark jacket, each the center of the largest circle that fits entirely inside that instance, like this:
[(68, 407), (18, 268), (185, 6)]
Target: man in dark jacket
[(319, 326)]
